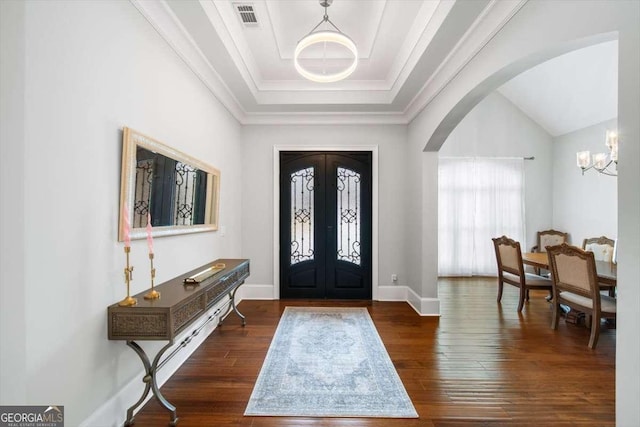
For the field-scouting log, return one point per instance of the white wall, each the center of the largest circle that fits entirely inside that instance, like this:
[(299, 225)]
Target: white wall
[(13, 388), (421, 236), (413, 222), (585, 206), (258, 190), (628, 345), (497, 128), (91, 68)]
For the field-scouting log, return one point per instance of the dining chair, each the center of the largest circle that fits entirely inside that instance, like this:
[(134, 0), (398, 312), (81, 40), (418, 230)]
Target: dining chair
[(575, 284), (511, 270), (603, 250), (602, 247), (546, 238)]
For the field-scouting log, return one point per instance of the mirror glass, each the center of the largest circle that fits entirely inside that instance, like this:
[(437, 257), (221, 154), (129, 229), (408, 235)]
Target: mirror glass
[(181, 193)]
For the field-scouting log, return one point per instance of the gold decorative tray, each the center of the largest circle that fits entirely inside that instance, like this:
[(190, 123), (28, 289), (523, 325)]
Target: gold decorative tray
[(197, 278)]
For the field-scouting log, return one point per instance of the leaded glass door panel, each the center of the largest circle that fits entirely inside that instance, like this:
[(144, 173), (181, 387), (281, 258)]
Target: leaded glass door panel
[(325, 225)]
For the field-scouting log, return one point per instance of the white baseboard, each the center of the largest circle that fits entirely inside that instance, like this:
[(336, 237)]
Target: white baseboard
[(392, 293), (252, 291), (423, 306), (113, 412), (265, 292)]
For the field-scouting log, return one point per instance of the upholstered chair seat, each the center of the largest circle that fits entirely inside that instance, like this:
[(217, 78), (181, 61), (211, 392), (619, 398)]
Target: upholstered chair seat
[(607, 303), (532, 280)]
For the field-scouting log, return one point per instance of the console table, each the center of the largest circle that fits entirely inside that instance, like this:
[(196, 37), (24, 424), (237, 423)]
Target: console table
[(181, 304)]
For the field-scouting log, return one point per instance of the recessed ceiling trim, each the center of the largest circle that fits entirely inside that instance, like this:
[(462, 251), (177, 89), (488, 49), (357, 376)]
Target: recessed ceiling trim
[(326, 97), (233, 41), (168, 26), (273, 33), (376, 33), (492, 20), (421, 34), (457, 47), (325, 119), (303, 85), (421, 37)]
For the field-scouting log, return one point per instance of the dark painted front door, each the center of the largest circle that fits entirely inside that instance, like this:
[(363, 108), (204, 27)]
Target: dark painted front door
[(325, 225)]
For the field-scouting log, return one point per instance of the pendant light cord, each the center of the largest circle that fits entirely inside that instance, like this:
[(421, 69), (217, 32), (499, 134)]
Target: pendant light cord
[(325, 18)]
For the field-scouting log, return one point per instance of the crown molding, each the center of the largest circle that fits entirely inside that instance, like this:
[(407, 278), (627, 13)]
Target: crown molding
[(325, 119), (325, 97), (401, 69), (167, 25), (233, 41), (308, 86), (219, 13), (483, 30)]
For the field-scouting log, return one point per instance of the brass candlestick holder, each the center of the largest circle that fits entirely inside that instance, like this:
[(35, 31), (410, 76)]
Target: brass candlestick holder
[(152, 294), (128, 276)]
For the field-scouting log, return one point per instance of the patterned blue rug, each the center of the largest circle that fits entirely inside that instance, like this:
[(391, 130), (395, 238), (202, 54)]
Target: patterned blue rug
[(328, 362)]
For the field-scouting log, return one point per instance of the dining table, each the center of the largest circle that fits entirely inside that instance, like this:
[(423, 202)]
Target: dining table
[(606, 271)]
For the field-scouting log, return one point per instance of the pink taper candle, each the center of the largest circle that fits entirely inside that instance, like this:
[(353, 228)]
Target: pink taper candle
[(149, 237), (127, 225)]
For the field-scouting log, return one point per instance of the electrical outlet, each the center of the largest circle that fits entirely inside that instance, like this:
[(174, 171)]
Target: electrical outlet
[(394, 278)]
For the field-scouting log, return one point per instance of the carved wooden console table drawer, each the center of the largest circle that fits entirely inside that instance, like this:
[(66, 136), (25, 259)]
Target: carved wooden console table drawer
[(184, 299)]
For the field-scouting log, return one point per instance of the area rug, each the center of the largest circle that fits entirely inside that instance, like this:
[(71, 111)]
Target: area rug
[(328, 362)]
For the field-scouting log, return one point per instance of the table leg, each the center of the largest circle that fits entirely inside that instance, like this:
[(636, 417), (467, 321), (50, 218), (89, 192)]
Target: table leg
[(151, 383), (232, 304)]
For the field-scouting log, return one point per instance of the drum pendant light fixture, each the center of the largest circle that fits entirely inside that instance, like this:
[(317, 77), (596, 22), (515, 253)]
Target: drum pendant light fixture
[(325, 37)]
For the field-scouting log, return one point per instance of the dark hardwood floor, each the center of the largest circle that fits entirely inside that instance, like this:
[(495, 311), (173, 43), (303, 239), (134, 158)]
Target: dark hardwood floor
[(479, 364)]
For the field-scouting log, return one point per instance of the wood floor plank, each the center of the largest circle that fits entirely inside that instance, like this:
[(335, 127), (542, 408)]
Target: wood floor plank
[(480, 364)]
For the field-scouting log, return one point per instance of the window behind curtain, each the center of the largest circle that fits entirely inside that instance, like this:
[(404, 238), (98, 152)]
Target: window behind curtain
[(478, 199)]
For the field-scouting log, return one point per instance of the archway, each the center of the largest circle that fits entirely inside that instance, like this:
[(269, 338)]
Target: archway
[(539, 31), (500, 77)]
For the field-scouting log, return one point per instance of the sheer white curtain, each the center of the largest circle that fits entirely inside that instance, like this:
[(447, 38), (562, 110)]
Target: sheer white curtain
[(478, 199)]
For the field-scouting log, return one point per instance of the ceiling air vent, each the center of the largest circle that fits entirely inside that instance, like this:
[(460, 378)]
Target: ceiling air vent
[(247, 14)]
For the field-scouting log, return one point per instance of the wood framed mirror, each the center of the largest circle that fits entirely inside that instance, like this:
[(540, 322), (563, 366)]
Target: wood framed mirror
[(181, 193)]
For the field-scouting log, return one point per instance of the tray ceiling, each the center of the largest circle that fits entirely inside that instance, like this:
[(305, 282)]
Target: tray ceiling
[(409, 51)]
